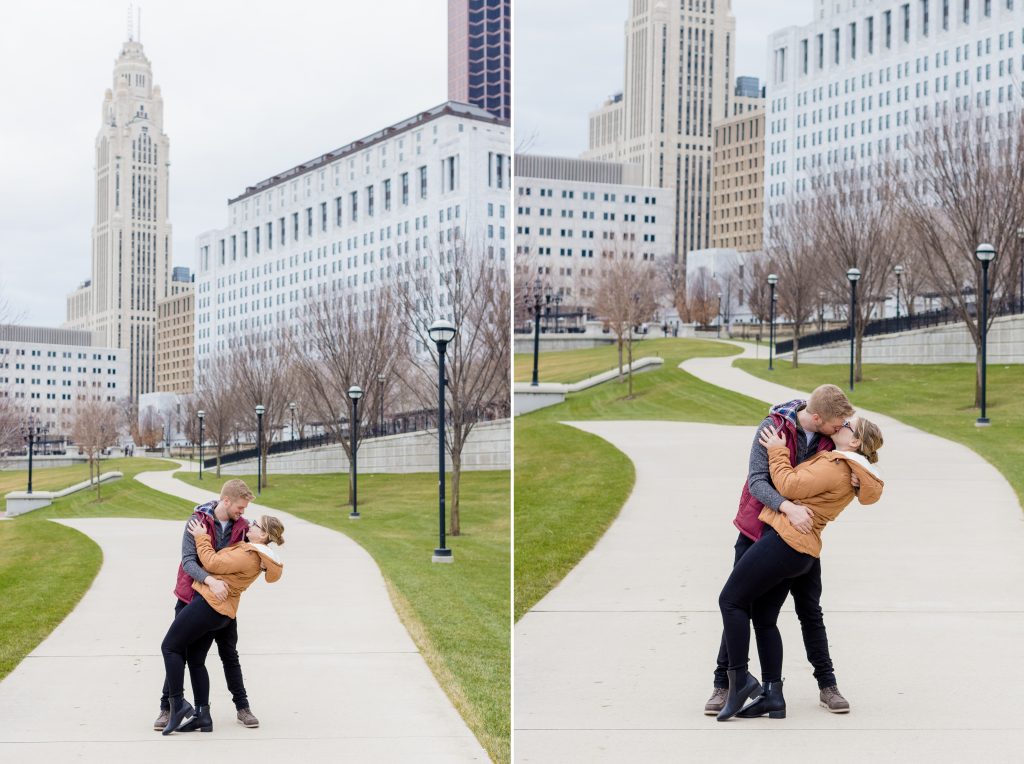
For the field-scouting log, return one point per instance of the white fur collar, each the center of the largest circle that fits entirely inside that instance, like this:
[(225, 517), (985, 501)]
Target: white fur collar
[(266, 550), (861, 460)]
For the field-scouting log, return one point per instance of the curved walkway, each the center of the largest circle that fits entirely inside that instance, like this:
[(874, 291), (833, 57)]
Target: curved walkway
[(924, 601), (330, 670)]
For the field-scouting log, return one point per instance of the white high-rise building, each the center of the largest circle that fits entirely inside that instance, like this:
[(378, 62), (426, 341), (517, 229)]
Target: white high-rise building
[(385, 209), (131, 237), (852, 85), (46, 372), (575, 215), (678, 74)]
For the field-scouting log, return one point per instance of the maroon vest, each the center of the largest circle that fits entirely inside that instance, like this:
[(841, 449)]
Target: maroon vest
[(746, 517), (183, 587)]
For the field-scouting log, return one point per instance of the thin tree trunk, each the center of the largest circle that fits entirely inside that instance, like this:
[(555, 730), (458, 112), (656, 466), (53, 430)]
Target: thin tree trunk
[(454, 521), (630, 370), (620, 358), (796, 349)]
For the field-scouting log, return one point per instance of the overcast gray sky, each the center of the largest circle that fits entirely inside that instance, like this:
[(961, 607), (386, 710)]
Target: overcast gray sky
[(250, 88), (568, 58)]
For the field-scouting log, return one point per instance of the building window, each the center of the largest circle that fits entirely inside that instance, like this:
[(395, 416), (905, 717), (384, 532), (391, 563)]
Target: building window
[(405, 188), (369, 201), (967, 11), (821, 51), (222, 251), (835, 46), (387, 195), (354, 196), (234, 248), (295, 226), (905, 10), (337, 211), (309, 221), (423, 182), (887, 15)]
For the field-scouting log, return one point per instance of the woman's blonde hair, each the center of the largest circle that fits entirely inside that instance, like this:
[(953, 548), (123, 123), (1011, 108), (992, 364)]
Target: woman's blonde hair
[(870, 438), (274, 529)]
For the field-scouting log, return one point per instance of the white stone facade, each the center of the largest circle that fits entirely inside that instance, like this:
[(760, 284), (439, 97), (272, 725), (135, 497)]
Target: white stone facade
[(382, 210), (852, 84), (45, 371), (574, 215), (131, 237)]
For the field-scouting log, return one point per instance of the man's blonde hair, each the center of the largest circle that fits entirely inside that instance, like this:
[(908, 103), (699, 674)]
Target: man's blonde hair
[(236, 489), (829, 402)]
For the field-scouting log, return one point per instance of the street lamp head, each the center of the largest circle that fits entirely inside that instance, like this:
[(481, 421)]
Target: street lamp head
[(355, 392), (853, 275), (1020, 232), (898, 269), (292, 406), (773, 279), (201, 414), (260, 408), (441, 332), (381, 378), (986, 253)]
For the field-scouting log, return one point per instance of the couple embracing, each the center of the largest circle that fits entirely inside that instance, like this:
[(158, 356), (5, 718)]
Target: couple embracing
[(809, 460)]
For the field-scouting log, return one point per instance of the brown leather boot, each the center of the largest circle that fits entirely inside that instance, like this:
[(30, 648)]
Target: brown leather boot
[(833, 700), (715, 702), (161, 721)]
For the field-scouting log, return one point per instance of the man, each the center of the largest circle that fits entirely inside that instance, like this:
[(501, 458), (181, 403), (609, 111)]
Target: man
[(226, 525), (807, 427)]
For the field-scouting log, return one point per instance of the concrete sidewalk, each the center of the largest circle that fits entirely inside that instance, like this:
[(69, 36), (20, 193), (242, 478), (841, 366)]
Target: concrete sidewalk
[(330, 670), (923, 599)]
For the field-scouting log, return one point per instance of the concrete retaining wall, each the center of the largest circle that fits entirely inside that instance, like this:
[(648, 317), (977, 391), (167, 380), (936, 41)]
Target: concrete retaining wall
[(489, 448), (950, 343)]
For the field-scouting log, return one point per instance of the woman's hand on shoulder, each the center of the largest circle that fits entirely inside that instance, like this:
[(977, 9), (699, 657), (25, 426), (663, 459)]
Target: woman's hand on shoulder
[(770, 437), (196, 528)]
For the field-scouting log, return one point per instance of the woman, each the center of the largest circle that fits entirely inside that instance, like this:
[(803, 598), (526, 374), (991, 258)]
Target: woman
[(191, 633), (760, 581)]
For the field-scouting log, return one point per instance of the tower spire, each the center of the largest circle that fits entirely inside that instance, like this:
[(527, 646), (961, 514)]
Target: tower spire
[(131, 23)]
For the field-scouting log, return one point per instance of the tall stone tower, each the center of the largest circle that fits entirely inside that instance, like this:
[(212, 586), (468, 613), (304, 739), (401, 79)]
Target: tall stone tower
[(131, 237), (679, 65)]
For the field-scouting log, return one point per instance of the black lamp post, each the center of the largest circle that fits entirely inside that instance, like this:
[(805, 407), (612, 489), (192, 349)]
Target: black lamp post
[(380, 380), (537, 297), (898, 270), (557, 300), (202, 418), (30, 432), (1020, 265), (821, 311), (854, 276), (354, 393), (772, 281), (985, 253), (291, 406), (260, 409), (718, 332), (442, 332)]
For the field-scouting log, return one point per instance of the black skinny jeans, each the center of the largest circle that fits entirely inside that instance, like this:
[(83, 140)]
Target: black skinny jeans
[(761, 578), (227, 648), (188, 641)]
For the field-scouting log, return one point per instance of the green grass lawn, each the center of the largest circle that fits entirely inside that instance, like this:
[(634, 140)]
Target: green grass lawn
[(574, 365), (936, 398), (457, 614), (56, 478), (570, 485), (45, 567)]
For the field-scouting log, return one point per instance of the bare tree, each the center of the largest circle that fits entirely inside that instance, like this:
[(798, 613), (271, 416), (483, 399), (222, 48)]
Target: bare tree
[(702, 296), (95, 429), (470, 287), (854, 209), (150, 428), (262, 375), (672, 275), (347, 342), (626, 296), (219, 402), (967, 187), (793, 255)]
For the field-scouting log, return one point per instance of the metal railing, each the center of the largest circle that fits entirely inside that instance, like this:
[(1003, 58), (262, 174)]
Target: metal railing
[(892, 325)]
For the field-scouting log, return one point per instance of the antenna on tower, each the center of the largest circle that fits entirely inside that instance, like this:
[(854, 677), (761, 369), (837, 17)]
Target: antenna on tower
[(131, 20), (138, 30)]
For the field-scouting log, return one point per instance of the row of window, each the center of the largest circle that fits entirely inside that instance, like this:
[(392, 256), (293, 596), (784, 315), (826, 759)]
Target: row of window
[(866, 44), (53, 354)]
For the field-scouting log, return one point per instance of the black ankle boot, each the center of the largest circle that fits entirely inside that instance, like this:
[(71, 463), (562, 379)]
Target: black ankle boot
[(201, 722), (181, 710), (771, 702), (741, 686)]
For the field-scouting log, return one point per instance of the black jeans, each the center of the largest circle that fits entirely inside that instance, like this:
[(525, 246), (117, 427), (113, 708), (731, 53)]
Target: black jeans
[(806, 591), (227, 641)]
